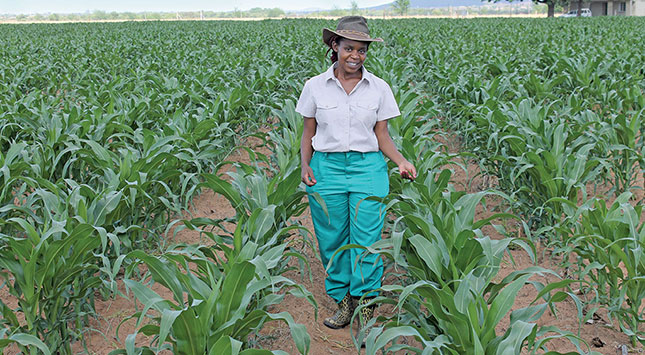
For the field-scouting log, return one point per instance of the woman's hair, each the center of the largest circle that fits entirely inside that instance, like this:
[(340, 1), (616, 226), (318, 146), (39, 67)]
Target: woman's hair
[(334, 55)]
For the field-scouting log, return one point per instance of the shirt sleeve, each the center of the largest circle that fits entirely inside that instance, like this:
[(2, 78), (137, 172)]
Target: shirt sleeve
[(388, 107), (306, 105)]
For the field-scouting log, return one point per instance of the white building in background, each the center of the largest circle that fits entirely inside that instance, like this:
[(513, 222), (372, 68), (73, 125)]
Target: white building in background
[(612, 8)]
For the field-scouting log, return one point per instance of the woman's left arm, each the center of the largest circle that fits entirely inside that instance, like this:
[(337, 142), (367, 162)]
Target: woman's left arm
[(386, 145)]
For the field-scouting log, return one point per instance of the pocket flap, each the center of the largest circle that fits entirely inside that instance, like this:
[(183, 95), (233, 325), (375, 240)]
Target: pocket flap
[(326, 105), (367, 105)]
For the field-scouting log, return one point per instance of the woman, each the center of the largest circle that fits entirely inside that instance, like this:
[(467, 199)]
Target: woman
[(345, 135)]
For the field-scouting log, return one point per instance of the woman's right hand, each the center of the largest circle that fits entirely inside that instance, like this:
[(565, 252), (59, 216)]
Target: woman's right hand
[(307, 175)]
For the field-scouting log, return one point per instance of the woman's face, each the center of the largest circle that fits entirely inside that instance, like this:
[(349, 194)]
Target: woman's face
[(351, 54)]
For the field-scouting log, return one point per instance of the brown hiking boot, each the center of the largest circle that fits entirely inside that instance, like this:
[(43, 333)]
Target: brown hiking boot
[(343, 315)]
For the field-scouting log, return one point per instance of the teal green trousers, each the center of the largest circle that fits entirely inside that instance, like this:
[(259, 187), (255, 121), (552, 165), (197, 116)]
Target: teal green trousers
[(344, 180)]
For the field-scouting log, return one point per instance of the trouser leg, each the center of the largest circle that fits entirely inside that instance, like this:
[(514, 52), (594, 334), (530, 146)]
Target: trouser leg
[(365, 229), (366, 223), (332, 233)]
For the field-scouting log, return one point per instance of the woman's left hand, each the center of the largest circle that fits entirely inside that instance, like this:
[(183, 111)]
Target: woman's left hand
[(407, 170), (388, 148)]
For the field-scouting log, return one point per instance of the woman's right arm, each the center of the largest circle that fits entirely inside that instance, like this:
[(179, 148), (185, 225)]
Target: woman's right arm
[(307, 150)]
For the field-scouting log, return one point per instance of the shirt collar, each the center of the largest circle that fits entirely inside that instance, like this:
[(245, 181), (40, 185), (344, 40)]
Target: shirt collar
[(329, 74)]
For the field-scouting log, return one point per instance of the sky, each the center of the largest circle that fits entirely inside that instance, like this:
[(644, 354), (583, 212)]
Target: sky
[(79, 6)]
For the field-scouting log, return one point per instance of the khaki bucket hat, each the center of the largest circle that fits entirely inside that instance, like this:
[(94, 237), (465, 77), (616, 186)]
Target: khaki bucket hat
[(350, 27)]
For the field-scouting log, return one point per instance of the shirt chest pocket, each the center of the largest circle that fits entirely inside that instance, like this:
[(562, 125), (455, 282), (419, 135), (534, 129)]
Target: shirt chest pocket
[(365, 112), (327, 112)]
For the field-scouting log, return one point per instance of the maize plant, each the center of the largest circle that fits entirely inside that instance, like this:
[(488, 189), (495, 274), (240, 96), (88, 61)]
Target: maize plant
[(212, 309), (607, 242), (49, 269)]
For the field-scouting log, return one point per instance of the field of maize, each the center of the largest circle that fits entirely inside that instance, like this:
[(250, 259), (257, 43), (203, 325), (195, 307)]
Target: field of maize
[(110, 131)]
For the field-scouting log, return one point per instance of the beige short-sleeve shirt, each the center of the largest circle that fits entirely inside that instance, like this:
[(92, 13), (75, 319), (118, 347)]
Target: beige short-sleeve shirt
[(345, 122)]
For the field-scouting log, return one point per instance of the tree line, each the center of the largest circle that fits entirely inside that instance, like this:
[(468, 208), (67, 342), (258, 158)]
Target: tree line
[(399, 7)]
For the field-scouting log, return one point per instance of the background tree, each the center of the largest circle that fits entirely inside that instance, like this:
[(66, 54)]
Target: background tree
[(337, 12), (98, 15), (355, 10), (275, 12), (237, 13), (401, 6), (551, 4)]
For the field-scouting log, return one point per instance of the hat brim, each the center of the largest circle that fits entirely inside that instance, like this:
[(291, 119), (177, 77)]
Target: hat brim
[(353, 35)]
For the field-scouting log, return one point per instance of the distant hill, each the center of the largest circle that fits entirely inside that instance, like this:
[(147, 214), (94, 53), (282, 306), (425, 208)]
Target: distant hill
[(430, 4)]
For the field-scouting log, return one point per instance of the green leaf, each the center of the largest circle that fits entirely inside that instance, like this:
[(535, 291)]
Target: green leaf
[(512, 343), (233, 290), (222, 187), (298, 331), (371, 347), (429, 253), (189, 336), (29, 340), (148, 297), (164, 273), (501, 305), (168, 318), (552, 286)]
